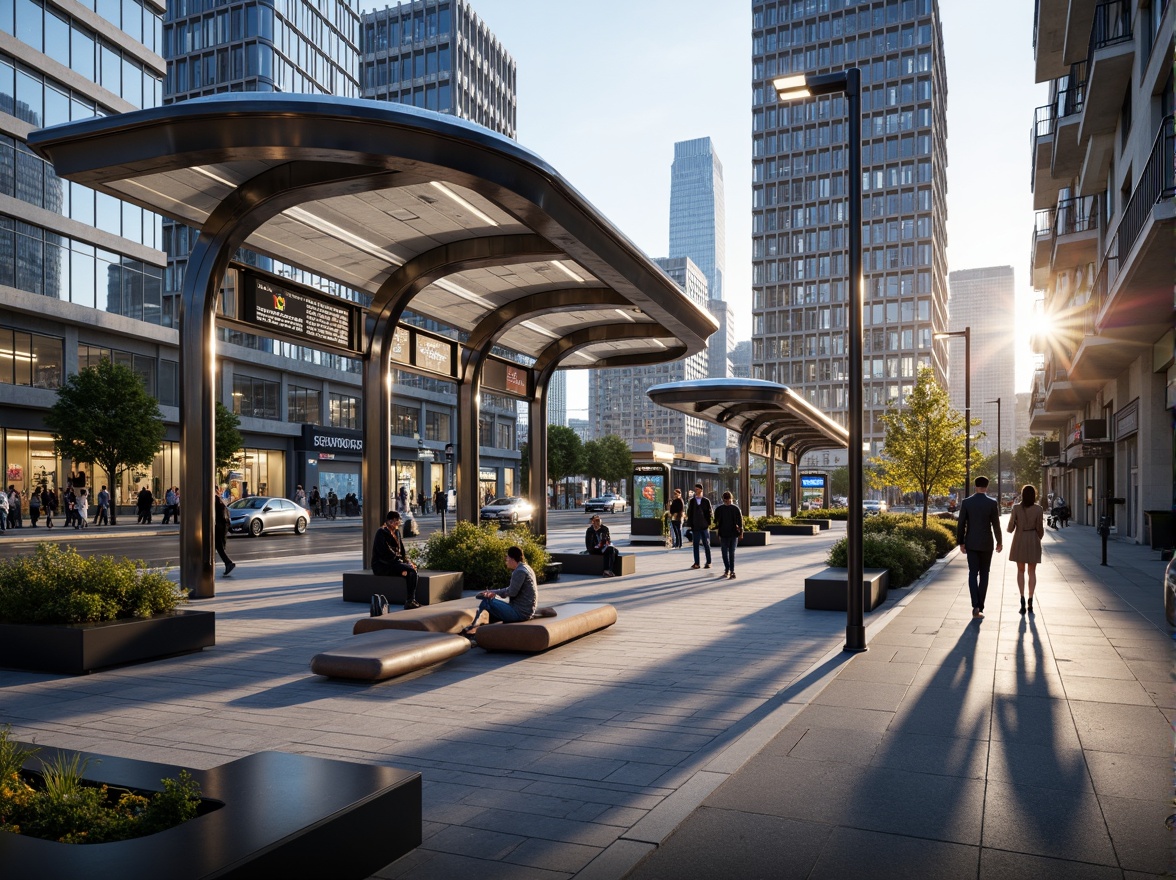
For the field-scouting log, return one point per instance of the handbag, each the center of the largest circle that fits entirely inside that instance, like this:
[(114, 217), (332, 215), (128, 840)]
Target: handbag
[(689, 534), (379, 605)]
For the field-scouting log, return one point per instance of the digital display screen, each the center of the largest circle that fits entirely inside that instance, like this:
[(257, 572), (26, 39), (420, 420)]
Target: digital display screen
[(812, 481), (649, 496)]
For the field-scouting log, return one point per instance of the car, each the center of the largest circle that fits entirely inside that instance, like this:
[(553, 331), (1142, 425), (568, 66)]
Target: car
[(1170, 592), (509, 510), (607, 503), (258, 514), (873, 507)]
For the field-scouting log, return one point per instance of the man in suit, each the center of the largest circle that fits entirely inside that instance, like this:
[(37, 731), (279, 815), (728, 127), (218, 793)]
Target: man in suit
[(976, 533)]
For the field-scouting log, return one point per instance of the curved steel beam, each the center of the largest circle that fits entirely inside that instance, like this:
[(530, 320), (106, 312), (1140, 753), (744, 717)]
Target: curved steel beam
[(588, 336)]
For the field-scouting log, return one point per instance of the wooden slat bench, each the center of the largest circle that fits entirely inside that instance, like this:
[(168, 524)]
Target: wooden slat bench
[(376, 656), (571, 621), (443, 617), (432, 586), (593, 563)]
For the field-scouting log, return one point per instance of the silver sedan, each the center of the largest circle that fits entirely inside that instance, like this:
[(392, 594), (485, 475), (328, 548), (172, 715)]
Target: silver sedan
[(257, 514)]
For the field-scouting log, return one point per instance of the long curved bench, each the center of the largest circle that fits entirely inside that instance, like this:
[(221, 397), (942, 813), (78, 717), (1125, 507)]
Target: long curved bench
[(376, 656), (444, 617), (571, 621)]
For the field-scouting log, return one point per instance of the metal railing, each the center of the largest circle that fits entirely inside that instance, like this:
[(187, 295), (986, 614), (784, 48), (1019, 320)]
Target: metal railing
[(1112, 24), (1074, 215), (1042, 222), (1155, 184)]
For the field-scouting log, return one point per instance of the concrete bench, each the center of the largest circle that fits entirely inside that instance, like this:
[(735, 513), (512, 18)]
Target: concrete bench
[(571, 621), (821, 524), (796, 528), (827, 591), (747, 539), (593, 563), (432, 586), (442, 617), (376, 656)]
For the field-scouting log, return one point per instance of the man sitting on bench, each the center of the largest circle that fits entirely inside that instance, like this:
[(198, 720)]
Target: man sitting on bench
[(389, 558), (515, 602), (599, 543)]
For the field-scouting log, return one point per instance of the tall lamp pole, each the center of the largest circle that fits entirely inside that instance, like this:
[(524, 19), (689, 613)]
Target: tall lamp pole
[(999, 466), (849, 82), (967, 334)]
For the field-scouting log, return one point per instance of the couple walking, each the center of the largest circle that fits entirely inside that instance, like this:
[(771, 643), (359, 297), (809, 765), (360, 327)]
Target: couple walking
[(978, 531), (698, 516)]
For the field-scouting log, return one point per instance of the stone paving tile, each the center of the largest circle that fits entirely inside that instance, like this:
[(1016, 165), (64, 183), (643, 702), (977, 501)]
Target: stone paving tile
[(1132, 823), (997, 864), (851, 853), (923, 753), (843, 746), (1035, 764), (563, 857), (1110, 727), (1037, 821)]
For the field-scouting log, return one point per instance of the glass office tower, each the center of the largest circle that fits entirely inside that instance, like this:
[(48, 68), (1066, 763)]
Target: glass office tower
[(799, 208)]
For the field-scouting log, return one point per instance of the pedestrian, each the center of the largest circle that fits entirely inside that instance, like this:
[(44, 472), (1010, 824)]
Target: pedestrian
[(15, 520), (598, 542), (403, 499), (170, 500), (698, 518), (70, 502), (332, 503), (82, 517), (677, 514), (440, 504), (300, 496), (103, 511), (1027, 523), (977, 531), (729, 524), (49, 505), (144, 502), (35, 506), (315, 501), (221, 531), (3, 511), (390, 559)]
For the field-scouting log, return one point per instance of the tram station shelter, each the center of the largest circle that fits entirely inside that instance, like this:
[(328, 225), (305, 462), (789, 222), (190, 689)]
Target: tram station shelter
[(418, 213), (770, 420)]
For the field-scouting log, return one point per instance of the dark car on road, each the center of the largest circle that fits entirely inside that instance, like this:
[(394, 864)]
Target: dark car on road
[(259, 514)]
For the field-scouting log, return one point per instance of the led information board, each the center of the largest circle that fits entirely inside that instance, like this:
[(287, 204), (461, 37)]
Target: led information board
[(506, 378), (300, 313), (650, 484)]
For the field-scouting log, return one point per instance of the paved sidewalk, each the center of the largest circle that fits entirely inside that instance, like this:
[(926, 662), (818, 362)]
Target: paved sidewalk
[(1018, 746)]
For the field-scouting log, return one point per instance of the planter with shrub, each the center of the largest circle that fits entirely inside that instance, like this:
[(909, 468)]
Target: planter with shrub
[(910, 525), (906, 558), (478, 552), (62, 612), (830, 513)]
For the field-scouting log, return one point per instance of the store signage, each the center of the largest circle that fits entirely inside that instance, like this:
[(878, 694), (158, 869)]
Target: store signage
[(326, 456), (1127, 420), (401, 353), (434, 355), (300, 313), (812, 481), (506, 378), (324, 440)]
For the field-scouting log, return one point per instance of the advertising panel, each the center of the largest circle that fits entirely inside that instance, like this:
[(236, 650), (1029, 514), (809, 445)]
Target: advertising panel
[(651, 482)]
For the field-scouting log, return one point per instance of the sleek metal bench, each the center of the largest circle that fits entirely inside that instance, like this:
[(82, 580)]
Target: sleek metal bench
[(571, 621), (442, 617), (432, 586), (747, 539), (376, 656), (593, 563), (827, 591)]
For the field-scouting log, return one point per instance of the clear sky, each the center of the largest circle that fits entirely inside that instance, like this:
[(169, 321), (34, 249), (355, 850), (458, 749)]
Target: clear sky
[(606, 88)]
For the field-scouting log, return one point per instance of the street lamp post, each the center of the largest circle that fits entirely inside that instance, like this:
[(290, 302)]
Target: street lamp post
[(849, 81), (967, 334), (999, 466)]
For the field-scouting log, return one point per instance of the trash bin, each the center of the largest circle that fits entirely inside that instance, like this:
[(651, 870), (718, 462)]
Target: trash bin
[(1159, 524)]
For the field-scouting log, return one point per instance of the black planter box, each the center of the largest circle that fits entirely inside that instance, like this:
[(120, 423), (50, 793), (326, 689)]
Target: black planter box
[(747, 539), (280, 816), (797, 528), (77, 648)]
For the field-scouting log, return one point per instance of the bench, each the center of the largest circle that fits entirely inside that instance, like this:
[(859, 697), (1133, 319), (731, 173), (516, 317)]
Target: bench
[(443, 617), (827, 591), (822, 524), (432, 586), (593, 563), (571, 621), (376, 656), (796, 528), (747, 539)]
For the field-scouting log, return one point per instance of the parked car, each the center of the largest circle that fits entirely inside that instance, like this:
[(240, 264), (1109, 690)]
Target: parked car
[(258, 514), (1170, 592), (873, 507), (605, 504), (509, 511)]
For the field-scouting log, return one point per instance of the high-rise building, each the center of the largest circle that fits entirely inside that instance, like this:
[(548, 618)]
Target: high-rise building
[(698, 230), (617, 400), (439, 55), (741, 360), (1103, 189), (557, 398), (800, 210), (985, 300)]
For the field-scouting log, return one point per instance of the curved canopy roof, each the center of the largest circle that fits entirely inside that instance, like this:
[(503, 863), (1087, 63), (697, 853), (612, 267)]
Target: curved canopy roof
[(754, 408), (486, 237)]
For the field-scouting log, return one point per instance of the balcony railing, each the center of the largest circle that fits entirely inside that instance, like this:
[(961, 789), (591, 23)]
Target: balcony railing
[(1112, 24), (1042, 222), (1076, 215), (1043, 121)]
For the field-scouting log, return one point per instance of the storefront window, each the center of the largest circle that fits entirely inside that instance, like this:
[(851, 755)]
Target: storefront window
[(405, 421)]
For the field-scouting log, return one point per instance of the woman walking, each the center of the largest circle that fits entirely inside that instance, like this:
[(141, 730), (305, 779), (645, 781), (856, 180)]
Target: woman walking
[(1027, 523)]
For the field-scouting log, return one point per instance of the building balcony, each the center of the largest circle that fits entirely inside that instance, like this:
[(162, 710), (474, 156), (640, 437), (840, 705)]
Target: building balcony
[(1042, 420), (1041, 248), (1133, 289), (1041, 137), (1074, 233), (1049, 38), (1079, 18), (1067, 148), (1110, 59), (1096, 164)]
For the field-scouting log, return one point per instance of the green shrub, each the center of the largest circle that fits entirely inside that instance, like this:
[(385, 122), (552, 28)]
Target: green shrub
[(906, 558), (478, 552), (837, 513), (910, 525), (753, 523), (57, 585), (775, 520)]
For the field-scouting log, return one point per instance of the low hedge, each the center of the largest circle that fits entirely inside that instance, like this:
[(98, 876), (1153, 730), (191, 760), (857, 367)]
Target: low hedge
[(478, 552), (775, 520), (910, 525), (906, 558), (57, 585), (838, 513)]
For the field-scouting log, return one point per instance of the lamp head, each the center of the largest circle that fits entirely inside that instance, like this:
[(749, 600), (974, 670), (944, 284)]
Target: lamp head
[(789, 88)]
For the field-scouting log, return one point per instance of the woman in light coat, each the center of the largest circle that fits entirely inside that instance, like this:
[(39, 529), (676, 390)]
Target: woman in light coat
[(1027, 523)]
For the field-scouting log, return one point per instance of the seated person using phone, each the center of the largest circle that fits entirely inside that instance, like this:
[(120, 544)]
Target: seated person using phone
[(599, 543)]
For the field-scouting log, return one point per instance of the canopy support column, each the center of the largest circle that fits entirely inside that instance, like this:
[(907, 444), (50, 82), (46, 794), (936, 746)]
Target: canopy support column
[(795, 493), (770, 494)]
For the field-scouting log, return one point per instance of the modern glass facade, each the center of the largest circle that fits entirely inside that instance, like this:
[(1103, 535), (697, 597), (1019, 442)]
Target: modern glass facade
[(799, 207), (439, 55), (698, 225)]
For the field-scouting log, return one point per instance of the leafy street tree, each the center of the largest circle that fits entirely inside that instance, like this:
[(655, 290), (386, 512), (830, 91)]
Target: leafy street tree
[(1027, 464), (608, 459), (104, 416), (228, 437), (565, 453), (924, 443), (839, 482)]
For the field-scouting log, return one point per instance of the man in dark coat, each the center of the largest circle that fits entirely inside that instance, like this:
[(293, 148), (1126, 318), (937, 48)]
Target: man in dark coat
[(977, 531), (598, 542), (220, 531), (389, 558), (698, 518)]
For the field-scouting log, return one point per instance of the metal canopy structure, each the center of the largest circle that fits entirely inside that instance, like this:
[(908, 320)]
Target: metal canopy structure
[(418, 211), (771, 420)]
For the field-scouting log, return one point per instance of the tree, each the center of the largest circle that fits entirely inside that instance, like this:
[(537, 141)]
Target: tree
[(104, 416), (615, 460), (228, 437), (839, 482), (565, 453), (1027, 464), (924, 443)]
